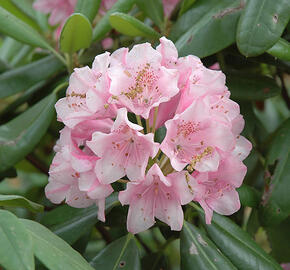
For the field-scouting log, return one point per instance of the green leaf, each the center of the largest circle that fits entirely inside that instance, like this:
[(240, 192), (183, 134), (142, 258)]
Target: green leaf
[(281, 50), (22, 78), (19, 201), (9, 48), (16, 245), (19, 136), (120, 254), (207, 28), (130, 26), (71, 223), (278, 237), (251, 87), (89, 8), (76, 34), (103, 26), (25, 6), (276, 203), (198, 251), (249, 196), (237, 245), (185, 6), (9, 173), (52, 251), (261, 25), (11, 7), (14, 27), (153, 9)]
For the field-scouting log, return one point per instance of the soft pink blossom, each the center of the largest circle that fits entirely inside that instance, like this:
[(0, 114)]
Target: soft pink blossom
[(107, 43), (59, 10), (139, 81), (195, 138), (169, 6), (124, 151), (156, 196), (215, 191), (87, 96)]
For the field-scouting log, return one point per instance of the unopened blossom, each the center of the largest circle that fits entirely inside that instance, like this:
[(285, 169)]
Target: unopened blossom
[(195, 138), (215, 191), (87, 96), (124, 151), (169, 6), (156, 196), (139, 81)]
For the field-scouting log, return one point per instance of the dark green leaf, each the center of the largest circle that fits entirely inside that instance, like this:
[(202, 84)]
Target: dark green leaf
[(88, 7), (207, 28), (103, 26), (237, 245), (16, 252), (281, 50), (19, 201), (278, 237), (185, 6), (14, 27), (153, 9), (198, 251), (52, 251), (249, 196), (22, 78), (120, 254), (130, 26), (160, 134), (276, 199), (261, 25), (76, 34), (19, 136), (71, 223), (9, 48), (9, 173), (251, 87)]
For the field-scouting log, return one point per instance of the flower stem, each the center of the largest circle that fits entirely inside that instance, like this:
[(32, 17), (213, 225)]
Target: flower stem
[(155, 119), (138, 118), (123, 181), (147, 126), (59, 87)]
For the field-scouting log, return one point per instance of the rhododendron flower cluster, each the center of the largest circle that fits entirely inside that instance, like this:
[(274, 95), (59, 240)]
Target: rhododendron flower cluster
[(111, 113)]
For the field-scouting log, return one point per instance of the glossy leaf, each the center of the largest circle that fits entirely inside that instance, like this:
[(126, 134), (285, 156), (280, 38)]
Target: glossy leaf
[(14, 27), (249, 196), (198, 251), (71, 223), (276, 197), (26, 7), (76, 34), (237, 245), (281, 50), (52, 251), (207, 28), (103, 26), (89, 8), (19, 201), (153, 9), (19, 136), (261, 25), (251, 87), (22, 78), (130, 26), (16, 251), (120, 254)]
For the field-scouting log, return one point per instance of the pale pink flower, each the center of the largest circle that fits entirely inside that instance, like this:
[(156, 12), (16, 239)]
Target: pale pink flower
[(59, 10), (215, 191), (87, 95), (71, 175), (156, 196), (195, 138), (169, 6), (215, 66), (107, 43), (124, 151), (139, 81)]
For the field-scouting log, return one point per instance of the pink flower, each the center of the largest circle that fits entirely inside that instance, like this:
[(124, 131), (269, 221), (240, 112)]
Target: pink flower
[(59, 9), (156, 196), (124, 151), (87, 95), (107, 43), (71, 175), (106, 5), (215, 191), (139, 81), (194, 138), (169, 6)]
